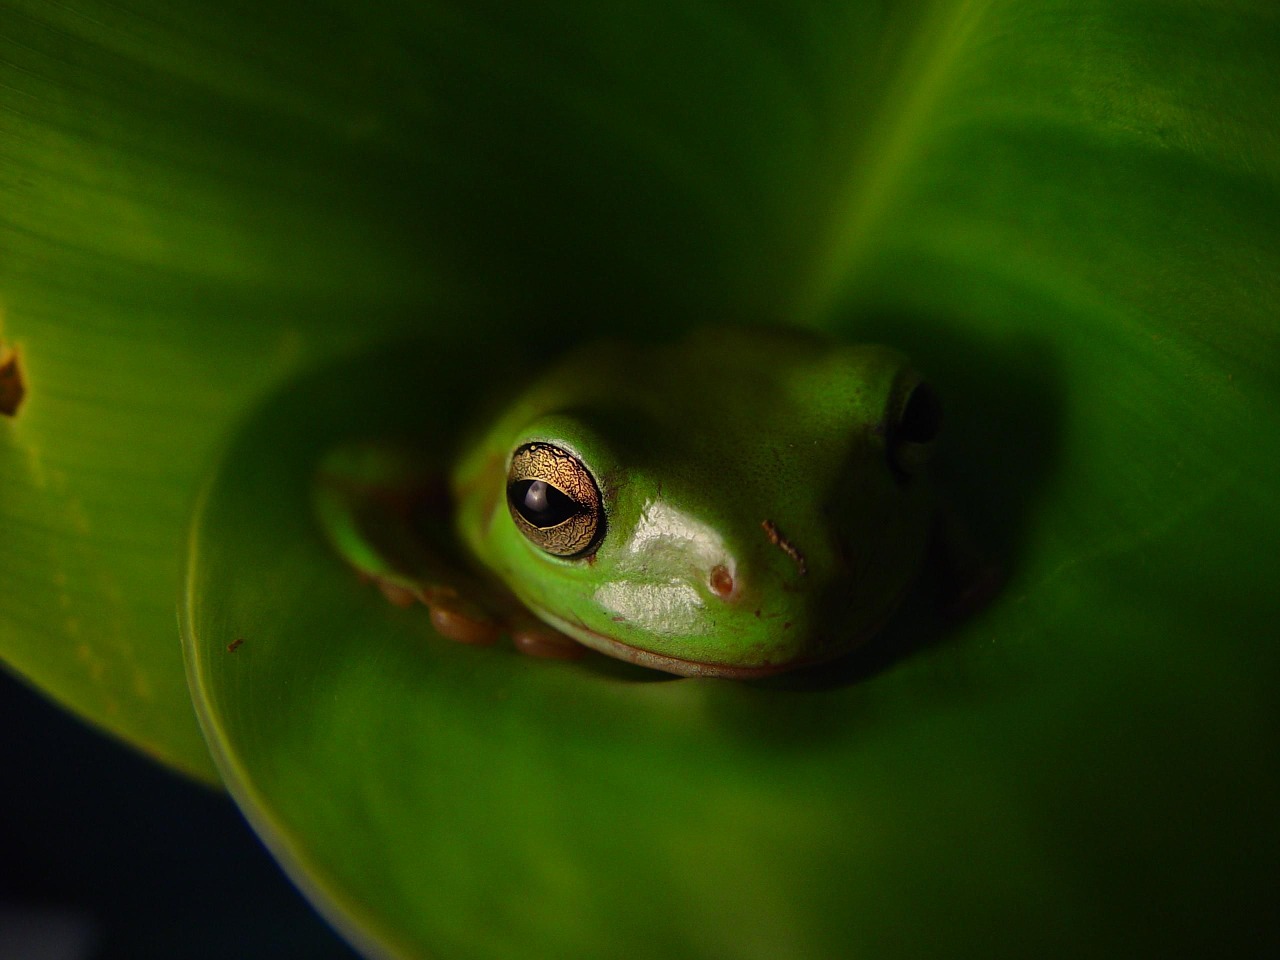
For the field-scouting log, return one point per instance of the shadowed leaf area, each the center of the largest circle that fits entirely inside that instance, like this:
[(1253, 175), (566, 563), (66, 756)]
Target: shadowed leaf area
[(233, 236)]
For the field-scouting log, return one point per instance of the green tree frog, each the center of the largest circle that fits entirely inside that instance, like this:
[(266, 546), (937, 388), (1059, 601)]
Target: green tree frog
[(735, 504)]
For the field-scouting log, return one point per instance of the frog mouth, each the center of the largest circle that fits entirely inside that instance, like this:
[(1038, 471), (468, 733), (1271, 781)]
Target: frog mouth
[(659, 661), (697, 668)]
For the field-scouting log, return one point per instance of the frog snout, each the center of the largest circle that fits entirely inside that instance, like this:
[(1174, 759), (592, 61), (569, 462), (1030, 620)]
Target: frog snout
[(724, 579)]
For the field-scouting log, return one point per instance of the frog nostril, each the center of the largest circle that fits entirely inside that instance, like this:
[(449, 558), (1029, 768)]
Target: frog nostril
[(721, 581)]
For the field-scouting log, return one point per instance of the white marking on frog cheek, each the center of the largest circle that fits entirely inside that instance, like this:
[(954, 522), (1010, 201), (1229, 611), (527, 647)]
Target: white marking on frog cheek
[(664, 529), (662, 608), (662, 582)]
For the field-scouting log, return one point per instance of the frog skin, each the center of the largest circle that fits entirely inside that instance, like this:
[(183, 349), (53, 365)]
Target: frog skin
[(734, 504)]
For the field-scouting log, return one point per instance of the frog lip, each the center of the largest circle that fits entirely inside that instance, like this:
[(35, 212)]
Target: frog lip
[(658, 661), (678, 665)]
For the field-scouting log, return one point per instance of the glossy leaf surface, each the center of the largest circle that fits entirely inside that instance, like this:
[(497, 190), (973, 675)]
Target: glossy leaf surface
[(1065, 211)]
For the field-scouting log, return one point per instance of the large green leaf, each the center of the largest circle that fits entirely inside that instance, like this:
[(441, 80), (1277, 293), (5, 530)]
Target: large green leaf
[(1066, 211), (187, 213), (198, 200)]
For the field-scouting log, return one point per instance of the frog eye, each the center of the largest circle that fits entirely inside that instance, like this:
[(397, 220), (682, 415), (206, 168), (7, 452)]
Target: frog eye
[(554, 500), (919, 423)]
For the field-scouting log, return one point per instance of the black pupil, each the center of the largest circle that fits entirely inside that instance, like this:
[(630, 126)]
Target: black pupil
[(540, 503)]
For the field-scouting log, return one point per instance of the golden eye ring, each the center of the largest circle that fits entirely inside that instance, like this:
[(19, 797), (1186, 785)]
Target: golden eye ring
[(554, 500)]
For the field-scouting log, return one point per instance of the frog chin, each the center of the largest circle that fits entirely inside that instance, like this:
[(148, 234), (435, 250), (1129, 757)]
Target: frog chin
[(657, 661)]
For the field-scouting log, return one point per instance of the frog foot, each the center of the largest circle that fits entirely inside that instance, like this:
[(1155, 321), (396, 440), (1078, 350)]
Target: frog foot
[(534, 638), (461, 621)]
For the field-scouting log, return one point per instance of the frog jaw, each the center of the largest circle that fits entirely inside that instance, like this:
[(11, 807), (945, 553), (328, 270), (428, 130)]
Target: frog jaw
[(672, 594), (686, 667), (658, 661)]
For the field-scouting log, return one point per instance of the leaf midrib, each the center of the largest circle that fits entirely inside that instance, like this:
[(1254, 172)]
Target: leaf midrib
[(880, 159)]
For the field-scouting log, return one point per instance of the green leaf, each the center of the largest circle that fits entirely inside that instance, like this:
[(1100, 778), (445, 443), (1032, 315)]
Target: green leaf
[(1065, 210), (192, 207), (1067, 213)]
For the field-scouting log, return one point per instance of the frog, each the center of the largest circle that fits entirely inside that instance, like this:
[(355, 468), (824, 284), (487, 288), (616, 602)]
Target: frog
[(734, 503)]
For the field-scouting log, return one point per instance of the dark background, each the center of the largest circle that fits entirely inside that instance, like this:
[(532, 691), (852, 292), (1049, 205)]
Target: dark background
[(106, 856)]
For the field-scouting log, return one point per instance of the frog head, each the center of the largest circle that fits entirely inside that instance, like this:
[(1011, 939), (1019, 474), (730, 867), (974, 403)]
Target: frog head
[(733, 505)]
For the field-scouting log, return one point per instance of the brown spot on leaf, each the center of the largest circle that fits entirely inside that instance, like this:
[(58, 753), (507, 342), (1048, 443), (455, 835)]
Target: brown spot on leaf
[(235, 644), (12, 387)]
